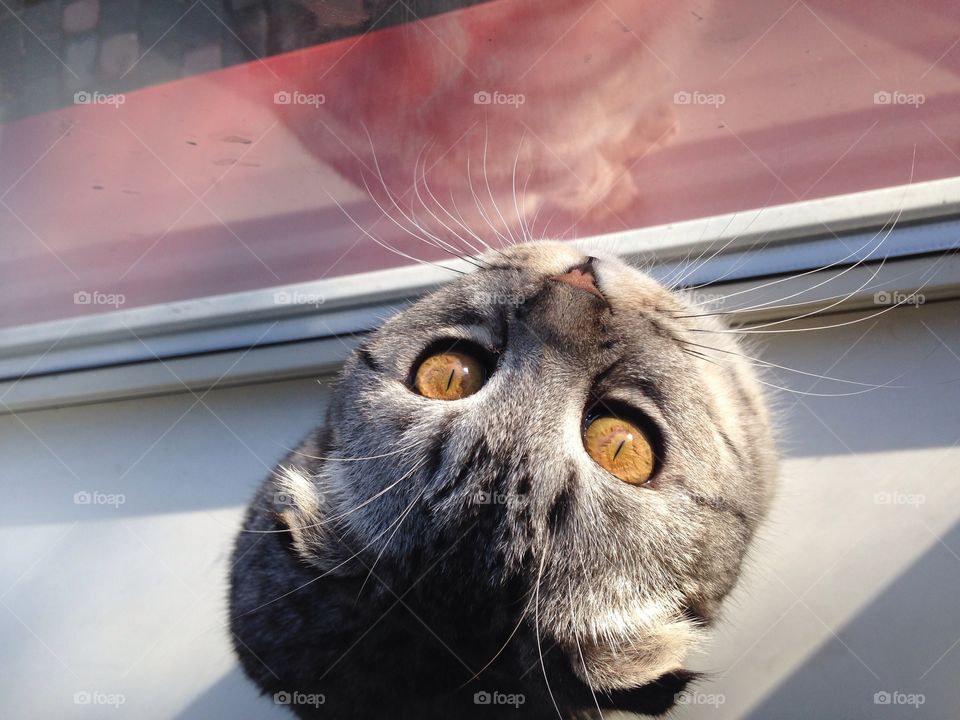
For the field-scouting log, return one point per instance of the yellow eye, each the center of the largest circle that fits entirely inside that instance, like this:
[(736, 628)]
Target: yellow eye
[(449, 376), (621, 448)]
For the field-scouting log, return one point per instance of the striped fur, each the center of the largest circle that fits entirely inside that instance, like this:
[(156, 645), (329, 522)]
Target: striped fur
[(410, 539)]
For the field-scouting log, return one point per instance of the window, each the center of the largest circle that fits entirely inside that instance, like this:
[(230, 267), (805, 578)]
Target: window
[(168, 167)]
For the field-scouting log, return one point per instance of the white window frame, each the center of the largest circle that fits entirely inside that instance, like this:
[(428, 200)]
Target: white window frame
[(250, 336)]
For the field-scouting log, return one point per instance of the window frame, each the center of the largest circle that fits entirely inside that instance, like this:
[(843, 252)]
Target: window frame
[(250, 336)]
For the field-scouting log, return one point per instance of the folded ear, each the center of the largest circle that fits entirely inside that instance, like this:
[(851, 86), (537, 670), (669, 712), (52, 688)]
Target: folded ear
[(654, 698), (299, 508)]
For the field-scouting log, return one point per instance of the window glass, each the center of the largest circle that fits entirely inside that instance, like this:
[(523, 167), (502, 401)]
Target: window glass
[(158, 151)]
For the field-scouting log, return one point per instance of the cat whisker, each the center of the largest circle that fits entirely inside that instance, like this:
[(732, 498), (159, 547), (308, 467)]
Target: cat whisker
[(670, 281), (385, 245), (758, 329), (752, 248), (462, 222), (760, 307), (583, 662), (524, 232), (358, 459), (880, 233), (476, 251), (388, 215), (438, 241), (827, 308), (399, 522), (483, 214), (865, 258), (536, 625), (813, 394), (701, 261), (319, 577), (486, 180), (757, 362), (333, 519), (499, 652), (531, 226), (701, 356), (403, 214)]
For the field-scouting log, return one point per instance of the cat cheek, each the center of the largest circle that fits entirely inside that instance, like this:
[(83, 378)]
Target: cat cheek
[(637, 661)]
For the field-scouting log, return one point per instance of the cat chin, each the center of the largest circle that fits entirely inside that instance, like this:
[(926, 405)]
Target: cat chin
[(635, 661)]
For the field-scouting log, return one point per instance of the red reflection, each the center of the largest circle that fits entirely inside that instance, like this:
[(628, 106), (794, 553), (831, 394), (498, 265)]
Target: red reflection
[(501, 120)]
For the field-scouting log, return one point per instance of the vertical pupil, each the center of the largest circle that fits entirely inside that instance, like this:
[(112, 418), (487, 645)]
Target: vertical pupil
[(448, 376)]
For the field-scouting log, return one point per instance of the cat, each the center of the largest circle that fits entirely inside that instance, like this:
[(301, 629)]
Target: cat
[(531, 493)]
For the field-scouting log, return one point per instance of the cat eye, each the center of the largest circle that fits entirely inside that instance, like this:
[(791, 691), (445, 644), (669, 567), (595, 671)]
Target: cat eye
[(449, 375), (620, 447)]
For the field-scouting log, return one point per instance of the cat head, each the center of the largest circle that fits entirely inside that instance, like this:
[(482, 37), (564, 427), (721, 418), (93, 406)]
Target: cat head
[(564, 405)]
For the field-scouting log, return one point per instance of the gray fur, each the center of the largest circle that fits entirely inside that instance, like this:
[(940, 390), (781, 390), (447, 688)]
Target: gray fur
[(599, 586)]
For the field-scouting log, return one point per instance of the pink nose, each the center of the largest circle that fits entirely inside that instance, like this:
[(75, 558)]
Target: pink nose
[(582, 279)]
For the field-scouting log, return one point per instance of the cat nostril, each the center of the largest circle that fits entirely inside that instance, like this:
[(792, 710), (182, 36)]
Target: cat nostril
[(581, 277)]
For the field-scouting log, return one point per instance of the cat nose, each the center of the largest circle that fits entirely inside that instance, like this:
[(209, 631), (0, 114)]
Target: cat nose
[(581, 277)]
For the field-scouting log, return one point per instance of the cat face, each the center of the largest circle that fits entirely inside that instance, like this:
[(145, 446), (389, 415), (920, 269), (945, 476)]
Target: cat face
[(551, 402)]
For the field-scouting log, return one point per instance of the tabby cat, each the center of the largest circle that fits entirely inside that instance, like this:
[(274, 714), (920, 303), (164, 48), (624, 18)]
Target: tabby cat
[(531, 493)]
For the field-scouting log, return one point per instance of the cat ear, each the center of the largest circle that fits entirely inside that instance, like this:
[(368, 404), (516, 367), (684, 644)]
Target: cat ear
[(654, 698), (299, 508)]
